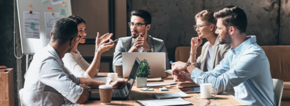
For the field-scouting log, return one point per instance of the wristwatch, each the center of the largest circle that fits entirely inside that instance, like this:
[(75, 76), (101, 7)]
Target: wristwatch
[(187, 64)]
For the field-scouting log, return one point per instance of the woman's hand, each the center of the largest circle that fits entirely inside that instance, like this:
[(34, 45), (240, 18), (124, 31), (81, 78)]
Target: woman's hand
[(196, 42), (100, 42)]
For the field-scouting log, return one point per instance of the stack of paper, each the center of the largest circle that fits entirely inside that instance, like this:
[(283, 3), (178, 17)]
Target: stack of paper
[(163, 102), (154, 79)]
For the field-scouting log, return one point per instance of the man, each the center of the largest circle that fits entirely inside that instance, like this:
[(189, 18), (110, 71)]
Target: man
[(245, 67), (47, 82), (140, 41)]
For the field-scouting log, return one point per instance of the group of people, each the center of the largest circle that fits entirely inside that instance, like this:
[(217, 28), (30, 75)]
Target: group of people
[(230, 60)]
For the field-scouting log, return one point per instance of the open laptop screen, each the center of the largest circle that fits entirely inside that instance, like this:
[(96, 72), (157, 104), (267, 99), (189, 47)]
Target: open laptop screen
[(133, 73)]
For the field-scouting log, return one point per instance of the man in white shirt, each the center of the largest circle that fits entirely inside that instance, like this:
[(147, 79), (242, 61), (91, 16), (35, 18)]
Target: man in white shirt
[(47, 82)]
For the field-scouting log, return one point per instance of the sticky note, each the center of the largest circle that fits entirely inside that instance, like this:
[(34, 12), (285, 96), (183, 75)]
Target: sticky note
[(43, 0), (63, 3), (147, 89), (63, 12), (32, 25), (49, 8), (30, 6)]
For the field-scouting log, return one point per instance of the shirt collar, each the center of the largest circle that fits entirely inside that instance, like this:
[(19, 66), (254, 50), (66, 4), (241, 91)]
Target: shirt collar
[(52, 51), (244, 45)]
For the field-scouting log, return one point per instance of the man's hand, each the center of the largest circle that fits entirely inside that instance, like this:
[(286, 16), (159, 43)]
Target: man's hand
[(178, 77), (178, 67), (139, 42), (119, 84)]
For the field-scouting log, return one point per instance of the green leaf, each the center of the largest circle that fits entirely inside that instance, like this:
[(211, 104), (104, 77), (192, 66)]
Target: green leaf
[(143, 69)]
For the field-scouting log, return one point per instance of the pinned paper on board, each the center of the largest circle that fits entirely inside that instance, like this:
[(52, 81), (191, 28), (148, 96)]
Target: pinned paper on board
[(43, 0), (63, 12), (49, 22), (31, 25), (56, 2)]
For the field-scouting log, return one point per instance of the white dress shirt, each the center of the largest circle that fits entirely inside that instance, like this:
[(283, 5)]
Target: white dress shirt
[(47, 82), (76, 64)]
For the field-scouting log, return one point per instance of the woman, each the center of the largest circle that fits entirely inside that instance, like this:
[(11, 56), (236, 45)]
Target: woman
[(212, 52), (74, 61)]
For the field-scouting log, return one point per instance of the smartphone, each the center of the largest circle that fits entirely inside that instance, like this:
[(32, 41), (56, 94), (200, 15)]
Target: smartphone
[(190, 89)]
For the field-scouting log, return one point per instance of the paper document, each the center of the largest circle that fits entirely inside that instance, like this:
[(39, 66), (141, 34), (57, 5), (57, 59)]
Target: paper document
[(170, 95), (154, 79), (103, 79), (55, 2), (164, 102), (31, 25), (49, 22), (160, 84)]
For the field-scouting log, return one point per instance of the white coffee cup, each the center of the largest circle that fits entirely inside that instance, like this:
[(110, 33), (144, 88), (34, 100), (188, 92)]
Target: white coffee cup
[(112, 76), (207, 90)]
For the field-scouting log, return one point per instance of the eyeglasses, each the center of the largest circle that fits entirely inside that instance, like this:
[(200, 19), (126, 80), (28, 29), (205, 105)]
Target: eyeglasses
[(138, 25), (198, 26)]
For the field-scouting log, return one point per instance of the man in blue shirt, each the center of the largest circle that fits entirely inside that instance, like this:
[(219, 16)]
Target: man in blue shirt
[(245, 67)]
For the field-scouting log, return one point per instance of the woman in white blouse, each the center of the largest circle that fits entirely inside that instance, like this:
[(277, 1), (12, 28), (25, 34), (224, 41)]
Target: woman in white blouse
[(74, 61)]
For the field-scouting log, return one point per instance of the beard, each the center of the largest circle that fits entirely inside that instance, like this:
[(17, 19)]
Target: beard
[(226, 39), (137, 34)]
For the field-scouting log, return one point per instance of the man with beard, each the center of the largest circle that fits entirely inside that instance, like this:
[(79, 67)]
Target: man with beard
[(245, 67), (48, 82), (139, 41)]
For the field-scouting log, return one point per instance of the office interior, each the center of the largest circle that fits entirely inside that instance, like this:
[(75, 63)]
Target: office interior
[(172, 21)]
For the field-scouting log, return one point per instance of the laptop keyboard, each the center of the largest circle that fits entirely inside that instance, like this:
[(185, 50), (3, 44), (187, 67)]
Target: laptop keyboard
[(117, 93)]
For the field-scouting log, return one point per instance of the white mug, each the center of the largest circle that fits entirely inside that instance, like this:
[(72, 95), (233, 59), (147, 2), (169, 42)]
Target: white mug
[(112, 76), (207, 90)]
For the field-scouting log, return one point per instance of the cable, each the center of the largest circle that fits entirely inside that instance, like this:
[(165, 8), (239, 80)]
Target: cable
[(14, 33)]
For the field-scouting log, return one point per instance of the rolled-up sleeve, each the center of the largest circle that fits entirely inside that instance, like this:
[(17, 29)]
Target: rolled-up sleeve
[(225, 78), (65, 84)]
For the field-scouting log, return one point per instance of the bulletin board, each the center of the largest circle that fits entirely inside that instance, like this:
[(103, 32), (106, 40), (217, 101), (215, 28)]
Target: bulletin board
[(36, 19)]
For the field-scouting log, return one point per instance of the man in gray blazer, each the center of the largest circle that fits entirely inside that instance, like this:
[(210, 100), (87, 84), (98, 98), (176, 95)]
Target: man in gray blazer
[(139, 41)]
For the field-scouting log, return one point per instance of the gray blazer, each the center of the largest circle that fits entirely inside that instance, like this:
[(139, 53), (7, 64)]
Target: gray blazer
[(124, 45), (220, 51)]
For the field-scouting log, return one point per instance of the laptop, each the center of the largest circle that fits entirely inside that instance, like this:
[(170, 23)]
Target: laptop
[(156, 61), (121, 94)]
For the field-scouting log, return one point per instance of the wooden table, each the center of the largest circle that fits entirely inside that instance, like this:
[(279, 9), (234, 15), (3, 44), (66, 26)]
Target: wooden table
[(138, 94)]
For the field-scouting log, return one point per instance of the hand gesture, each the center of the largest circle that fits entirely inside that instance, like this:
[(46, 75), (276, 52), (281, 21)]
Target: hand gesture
[(119, 84), (139, 42), (100, 42), (196, 42)]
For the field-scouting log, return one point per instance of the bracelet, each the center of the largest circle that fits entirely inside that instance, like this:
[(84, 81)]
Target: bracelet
[(96, 50), (192, 54)]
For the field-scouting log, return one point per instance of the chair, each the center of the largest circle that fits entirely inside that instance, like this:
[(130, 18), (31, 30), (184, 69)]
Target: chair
[(278, 90)]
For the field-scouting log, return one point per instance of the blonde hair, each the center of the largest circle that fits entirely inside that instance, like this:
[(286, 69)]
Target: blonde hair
[(206, 16)]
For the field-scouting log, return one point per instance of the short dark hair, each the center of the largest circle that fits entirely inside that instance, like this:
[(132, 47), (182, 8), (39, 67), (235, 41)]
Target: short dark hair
[(64, 29), (77, 19), (233, 16), (143, 14)]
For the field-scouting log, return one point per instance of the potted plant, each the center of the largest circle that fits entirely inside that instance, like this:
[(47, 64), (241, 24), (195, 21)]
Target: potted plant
[(142, 74)]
